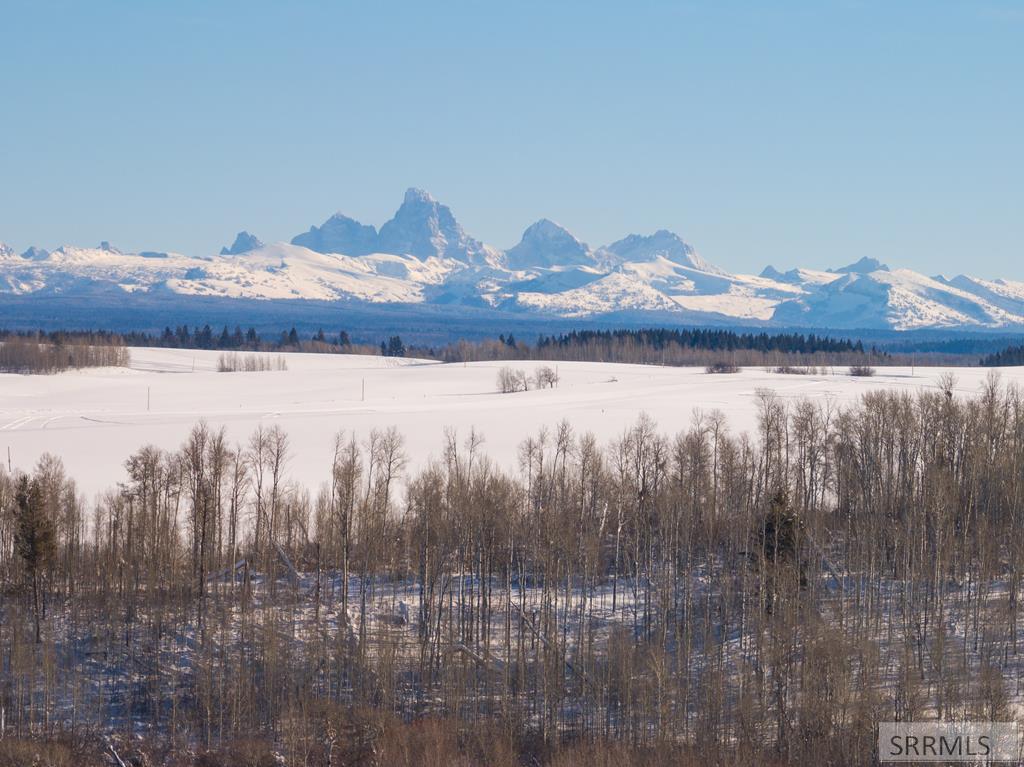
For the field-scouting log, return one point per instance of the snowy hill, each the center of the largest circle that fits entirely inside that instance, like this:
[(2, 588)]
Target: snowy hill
[(423, 256)]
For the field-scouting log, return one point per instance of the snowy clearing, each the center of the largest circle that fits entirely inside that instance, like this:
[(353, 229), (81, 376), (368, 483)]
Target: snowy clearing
[(94, 419)]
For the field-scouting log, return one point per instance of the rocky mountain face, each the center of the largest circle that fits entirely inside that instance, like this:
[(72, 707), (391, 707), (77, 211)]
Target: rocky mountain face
[(340, 234), (423, 256), (244, 242), (421, 227), (35, 254), (546, 245)]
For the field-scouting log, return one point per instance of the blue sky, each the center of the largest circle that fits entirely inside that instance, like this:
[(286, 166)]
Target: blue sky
[(788, 133)]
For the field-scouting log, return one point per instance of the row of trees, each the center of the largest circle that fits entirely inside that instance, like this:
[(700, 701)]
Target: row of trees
[(704, 338), (662, 346), (750, 597), (31, 354), (206, 338)]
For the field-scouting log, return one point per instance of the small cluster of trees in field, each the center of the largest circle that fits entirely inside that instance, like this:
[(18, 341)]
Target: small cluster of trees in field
[(511, 380), (240, 362), (393, 347), (29, 353), (699, 596)]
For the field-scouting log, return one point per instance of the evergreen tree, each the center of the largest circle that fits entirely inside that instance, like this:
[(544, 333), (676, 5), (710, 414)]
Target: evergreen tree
[(395, 347), (35, 542)]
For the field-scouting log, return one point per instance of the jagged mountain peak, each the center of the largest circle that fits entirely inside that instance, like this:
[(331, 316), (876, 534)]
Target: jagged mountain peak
[(865, 265), (106, 246), (414, 194), (545, 244), (339, 234), (6, 251), (423, 227), (244, 242), (662, 244), (32, 253)]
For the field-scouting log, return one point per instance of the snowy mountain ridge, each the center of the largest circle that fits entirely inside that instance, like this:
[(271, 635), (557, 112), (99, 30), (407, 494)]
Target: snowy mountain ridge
[(422, 255)]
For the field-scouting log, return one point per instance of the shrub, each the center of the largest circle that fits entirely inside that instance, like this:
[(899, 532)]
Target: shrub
[(19, 752), (862, 370), (721, 367), (796, 370)]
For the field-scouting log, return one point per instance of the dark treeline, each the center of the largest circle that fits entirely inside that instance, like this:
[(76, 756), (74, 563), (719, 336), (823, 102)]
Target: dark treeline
[(1010, 356), (662, 346), (973, 345), (698, 338), (226, 339), (702, 597)]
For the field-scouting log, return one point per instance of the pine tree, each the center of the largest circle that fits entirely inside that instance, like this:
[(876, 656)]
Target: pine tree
[(395, 347), (36, 540)]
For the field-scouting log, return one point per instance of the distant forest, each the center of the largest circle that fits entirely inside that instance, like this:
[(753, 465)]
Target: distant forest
[(1011, 356), (651, 346)]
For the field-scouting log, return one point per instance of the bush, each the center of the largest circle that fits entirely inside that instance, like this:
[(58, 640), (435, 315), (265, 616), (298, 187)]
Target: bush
[(19, 752), (796, 370), (862, 370), (721, 367), (241, 752)]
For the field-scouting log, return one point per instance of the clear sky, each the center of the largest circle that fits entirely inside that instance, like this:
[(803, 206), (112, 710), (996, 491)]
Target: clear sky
[(763, 132)]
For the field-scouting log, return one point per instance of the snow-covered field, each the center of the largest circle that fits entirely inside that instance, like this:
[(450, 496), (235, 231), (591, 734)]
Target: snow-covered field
[(94, 419)]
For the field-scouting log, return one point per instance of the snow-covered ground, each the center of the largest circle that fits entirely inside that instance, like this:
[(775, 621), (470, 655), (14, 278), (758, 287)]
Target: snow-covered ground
[(94, 419)]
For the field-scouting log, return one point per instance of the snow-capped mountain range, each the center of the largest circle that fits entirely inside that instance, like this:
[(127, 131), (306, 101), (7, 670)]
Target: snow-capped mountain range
[(423, 256)]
